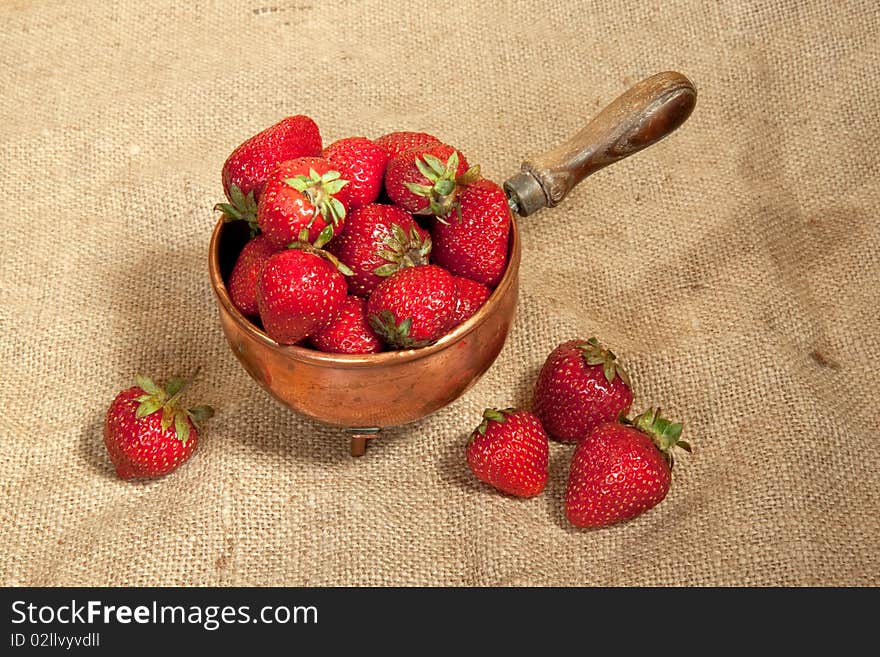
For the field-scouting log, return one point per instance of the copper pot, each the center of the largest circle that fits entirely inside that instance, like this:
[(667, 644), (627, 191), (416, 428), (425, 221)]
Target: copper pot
[(364, 393)]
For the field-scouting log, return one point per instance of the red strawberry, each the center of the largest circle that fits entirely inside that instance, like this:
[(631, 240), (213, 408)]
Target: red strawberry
[(580, 386), (620, 471), (146, 431), (474, 243), (425, 180), (509, 451), (413, 307), (396, 143), (242, 284), (470, 296), (362, 164), (299, 292), (377, 241), (350, 332), (306, 193), (247, 168)]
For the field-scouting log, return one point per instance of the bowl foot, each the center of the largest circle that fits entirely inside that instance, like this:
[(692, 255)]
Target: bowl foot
[(359, 438)]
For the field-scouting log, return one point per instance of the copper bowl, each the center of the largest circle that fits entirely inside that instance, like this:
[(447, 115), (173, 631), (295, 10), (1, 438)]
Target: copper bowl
[(364, 393)]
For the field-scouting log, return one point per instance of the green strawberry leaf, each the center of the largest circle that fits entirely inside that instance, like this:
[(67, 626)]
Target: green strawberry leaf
[(181, 425), (242, 208), (337, 210), (238, 198), (396, 335), (399, 234), (425, 170), (444, 187), (610, 371), (390, 256), (334, 186), (436, 165), (174, 385), (324, 236), (299, 183), (469, 176), (147, 407), (493, 414), (386, 270), (425, 248), (229, 210), (167, 417), (147, 384), (418, 190), (452, 165), (200, 413)]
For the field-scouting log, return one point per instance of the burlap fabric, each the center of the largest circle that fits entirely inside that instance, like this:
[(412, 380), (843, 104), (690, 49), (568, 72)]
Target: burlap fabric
[(733, 267)]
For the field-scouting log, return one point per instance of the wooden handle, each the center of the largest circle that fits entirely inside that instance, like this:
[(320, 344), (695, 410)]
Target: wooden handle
[(641, 116)]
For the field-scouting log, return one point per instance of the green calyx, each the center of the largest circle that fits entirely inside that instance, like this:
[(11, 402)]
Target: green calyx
[(444, 183), (394, 333), (595, 354), (240, 208), (403, 250), (665, 433), (302, 244), (320, 190), (167, 400), (493, 415)]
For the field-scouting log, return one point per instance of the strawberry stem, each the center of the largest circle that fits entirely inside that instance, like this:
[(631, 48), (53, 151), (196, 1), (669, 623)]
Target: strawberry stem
[(240, 208), (167, 400), (442, 191), (320, 190), (594, 353), (665, 434), (493, 415)]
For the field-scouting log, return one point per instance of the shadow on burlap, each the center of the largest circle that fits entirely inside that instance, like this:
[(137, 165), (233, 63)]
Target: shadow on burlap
[(733, 267)]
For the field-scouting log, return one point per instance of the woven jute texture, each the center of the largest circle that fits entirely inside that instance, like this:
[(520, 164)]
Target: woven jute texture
[(733, 267)]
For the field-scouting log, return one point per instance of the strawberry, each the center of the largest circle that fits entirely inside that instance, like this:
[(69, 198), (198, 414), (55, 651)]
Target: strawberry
[(621, 470), (413, 307), (242, 283), (424, 180), (306, 193), (395, 143), (470, 296), (246, 170), (509, 451), (580, 386), (147, 432), (474, 243), (299, 292), (350, 332), (362, 164), (377, 241)]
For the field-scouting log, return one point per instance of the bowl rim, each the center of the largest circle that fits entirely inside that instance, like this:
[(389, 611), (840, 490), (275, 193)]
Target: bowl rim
[(394, 357)]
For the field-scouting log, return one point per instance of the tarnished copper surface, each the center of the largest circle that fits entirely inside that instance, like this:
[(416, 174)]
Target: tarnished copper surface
[(370, 390)]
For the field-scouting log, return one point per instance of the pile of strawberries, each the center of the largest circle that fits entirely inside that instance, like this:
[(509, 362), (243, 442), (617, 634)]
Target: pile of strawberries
[(390, 244), (620, 467), (364, 245)]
